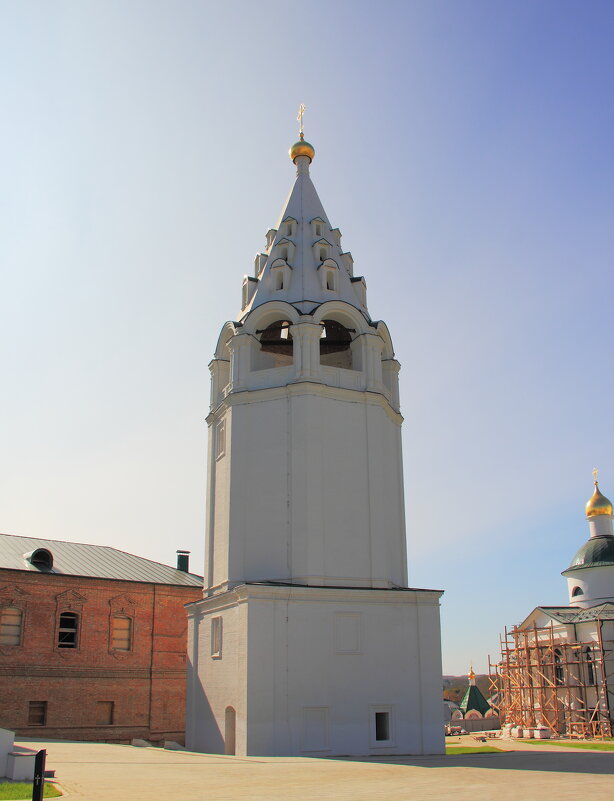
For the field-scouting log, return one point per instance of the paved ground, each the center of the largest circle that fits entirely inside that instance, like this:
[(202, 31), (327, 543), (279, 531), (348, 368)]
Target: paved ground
[(93, 771)]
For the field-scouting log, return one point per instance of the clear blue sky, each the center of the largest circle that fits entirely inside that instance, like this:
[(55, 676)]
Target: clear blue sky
[(464, 148)]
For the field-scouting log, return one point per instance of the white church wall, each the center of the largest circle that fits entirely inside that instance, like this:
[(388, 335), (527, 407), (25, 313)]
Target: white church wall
[(596, 584), (322, 663), (218, 494), (588, 632), (301, 450), (220, 660)]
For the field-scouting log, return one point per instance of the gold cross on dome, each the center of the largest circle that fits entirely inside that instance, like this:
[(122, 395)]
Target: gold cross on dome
[(595, 474), (301, 111)]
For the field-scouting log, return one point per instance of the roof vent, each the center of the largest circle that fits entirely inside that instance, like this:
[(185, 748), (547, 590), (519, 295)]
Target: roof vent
[(183, 561), (40, 558)]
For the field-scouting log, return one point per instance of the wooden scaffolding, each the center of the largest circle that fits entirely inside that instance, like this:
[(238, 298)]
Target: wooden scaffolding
[(543, 680)]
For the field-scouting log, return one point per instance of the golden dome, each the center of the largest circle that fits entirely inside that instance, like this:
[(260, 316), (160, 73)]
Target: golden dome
[(598, 504), (302, 148), (471, 674)]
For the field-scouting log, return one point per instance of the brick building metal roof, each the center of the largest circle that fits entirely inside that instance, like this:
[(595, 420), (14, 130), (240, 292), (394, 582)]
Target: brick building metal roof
[(91, 561)]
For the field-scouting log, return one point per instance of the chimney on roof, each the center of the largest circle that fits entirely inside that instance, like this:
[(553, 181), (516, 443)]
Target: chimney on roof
[(183, 561)]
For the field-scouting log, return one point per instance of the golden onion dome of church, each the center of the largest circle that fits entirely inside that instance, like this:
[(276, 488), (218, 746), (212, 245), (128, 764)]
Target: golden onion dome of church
[(302, 148), (598, 504)]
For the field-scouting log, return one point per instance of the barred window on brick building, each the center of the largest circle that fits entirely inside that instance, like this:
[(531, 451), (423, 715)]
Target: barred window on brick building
[(69, 630), (121, 633)]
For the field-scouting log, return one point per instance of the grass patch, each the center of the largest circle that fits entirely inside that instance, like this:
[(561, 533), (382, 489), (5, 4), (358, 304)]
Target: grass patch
[(16, 791), (479, 749), (608, 745)]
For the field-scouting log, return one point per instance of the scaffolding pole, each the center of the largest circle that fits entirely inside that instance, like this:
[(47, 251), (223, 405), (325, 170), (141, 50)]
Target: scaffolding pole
[(544, 681)]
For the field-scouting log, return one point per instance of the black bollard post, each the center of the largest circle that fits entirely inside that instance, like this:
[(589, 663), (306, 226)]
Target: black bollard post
[(38, 785)]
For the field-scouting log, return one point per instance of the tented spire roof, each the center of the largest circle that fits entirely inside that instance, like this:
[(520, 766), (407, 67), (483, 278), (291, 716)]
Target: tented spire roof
[(306, 248), (473, 699)]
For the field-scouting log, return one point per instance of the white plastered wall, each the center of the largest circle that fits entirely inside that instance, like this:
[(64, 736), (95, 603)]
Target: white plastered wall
[(216, 681), (291, 454), (316, 666), (596, 583)]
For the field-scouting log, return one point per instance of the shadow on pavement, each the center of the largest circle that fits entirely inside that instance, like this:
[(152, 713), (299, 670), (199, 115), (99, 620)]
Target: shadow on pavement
[(566, 762)]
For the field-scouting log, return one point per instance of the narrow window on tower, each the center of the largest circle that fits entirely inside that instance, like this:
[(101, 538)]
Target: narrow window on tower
[(381, 726), (216, 637), (220, 439), (279, 280)]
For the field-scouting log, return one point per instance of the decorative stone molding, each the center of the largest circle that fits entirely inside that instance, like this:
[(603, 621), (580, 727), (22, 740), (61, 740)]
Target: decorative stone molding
[(220, 378), (329, 275), (239, 347), (279, 275), (13, 595), (70, 601)]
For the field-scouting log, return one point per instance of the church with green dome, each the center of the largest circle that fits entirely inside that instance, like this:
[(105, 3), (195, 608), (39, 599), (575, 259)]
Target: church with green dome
[(556, 674)]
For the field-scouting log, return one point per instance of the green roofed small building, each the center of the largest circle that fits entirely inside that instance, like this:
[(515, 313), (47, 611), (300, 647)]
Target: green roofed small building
[(92, 641), (473, 713), (473, 703)]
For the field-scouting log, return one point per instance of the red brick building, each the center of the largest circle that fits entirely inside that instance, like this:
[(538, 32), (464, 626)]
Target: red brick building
[(92, 642)]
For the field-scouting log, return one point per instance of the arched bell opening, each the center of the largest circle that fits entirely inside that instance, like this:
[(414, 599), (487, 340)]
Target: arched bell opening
[(276, 346), (335, 345)]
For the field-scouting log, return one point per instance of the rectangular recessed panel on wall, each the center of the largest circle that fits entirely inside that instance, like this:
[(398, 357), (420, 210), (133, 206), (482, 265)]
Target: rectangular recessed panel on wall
[(348, 630), (315, 728)]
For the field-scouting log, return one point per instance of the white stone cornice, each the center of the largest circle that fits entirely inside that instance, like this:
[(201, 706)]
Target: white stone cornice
[(293, 592), (309, 388)]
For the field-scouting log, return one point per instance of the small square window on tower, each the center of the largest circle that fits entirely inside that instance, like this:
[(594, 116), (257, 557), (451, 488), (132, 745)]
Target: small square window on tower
[(216, 637)]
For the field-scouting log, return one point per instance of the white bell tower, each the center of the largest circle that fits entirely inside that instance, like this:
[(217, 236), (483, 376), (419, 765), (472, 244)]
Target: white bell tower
[(308, 639)]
